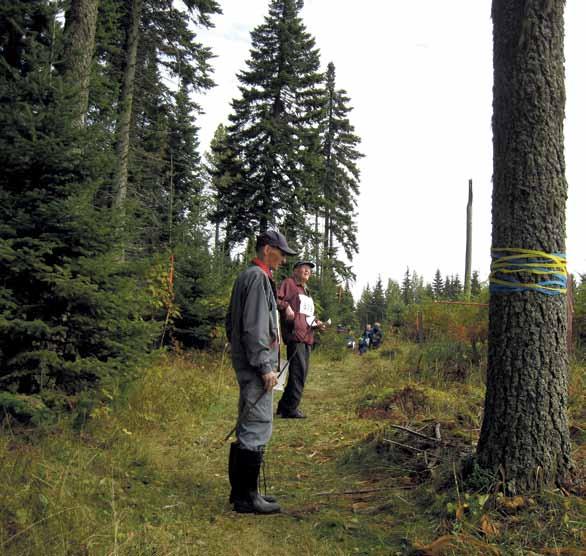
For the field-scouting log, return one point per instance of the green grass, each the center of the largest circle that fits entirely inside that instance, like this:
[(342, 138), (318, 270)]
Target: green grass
[(148, 477)]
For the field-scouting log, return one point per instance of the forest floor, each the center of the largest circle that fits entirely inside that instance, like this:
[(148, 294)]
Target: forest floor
[(149, 477)]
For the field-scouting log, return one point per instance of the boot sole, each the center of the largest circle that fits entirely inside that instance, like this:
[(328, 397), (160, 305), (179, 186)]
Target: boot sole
[(270, 499), (246, 510)]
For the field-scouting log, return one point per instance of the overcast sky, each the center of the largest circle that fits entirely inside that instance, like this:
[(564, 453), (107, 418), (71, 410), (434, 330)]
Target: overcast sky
[(419, 76)]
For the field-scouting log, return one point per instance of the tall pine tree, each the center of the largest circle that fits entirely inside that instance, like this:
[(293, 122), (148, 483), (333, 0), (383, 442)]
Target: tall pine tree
[(70, 315), (438, 285), (340, 174), (273, 134)]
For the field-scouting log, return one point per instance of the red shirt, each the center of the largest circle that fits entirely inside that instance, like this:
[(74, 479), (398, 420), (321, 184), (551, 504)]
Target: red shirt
[(296, 330), (264, 267)]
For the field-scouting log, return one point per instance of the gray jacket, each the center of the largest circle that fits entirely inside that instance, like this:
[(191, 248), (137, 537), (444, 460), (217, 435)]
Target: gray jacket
[(252, 322)]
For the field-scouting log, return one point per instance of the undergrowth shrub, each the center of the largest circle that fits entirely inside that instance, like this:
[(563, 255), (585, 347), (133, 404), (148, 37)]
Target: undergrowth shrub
[(333, 345), (96, 490), (450, 341), (445, 360)]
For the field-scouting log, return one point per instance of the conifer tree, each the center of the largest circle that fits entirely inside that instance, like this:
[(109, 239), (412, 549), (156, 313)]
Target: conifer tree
[(429, 293), (222, 170), (407, 288), (327, 292), (71, 312), (378, 301), (457, 288), (438, 285), (340, 174), (475, 287), (364, 307), (273, 131), (417, 288), (394, 303), (167, 43), (70, 315), (347, 315), (448, 290)]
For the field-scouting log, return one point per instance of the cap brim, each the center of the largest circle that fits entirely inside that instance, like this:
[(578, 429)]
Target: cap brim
[(289, 252), (301, 263)]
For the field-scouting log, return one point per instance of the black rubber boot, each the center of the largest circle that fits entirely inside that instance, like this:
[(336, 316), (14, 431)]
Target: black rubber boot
[(247, 499), (233, 475)]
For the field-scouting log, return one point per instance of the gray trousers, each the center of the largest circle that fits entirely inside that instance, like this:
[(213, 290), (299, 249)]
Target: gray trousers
[(256, 426)]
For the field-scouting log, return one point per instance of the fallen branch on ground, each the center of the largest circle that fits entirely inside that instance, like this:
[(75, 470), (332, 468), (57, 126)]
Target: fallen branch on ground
[(403, 445), (351, 492), (405, 429)]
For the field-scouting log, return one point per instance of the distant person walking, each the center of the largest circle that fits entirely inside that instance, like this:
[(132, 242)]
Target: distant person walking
[(298, 322), (365, 340), (252, 327)]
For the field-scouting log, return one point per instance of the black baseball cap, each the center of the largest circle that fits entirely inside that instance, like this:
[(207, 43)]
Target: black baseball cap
[(274, 239), (301, 263)]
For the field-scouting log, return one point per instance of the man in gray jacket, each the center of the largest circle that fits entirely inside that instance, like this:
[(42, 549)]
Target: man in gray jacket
[(252, 326)]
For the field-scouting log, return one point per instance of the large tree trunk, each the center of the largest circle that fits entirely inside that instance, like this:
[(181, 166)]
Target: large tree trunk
[(468, 265), (80, 42), (524, 437), (126, 98)]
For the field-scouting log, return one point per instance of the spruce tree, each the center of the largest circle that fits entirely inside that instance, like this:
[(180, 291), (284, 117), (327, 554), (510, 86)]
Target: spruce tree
[(448, 290), (164, 32), (70, 314), (378, 301), (222, 169), (475, 287), (417, 287), (347, 309), (364, 307), (394, 303), (457, 288), (438, 285), (407, 288), (429, 293), (327, 293), (273, 131), (340, 174)]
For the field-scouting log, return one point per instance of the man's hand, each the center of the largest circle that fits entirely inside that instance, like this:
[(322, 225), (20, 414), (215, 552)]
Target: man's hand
[(320, 325), (289, 313), (269, 381)]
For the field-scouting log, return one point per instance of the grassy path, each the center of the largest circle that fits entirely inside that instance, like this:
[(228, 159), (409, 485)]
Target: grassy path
[(148, 477), (329, 507)]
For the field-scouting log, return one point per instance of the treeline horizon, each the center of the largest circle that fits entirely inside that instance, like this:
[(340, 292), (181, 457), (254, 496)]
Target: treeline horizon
[(388, 303)]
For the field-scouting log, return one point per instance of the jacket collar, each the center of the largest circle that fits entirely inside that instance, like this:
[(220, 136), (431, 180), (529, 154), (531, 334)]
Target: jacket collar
[(263, 267)]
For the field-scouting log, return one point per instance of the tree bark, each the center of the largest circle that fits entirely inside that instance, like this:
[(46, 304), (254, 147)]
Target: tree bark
[(80, 42), (524, 437), (126, 98), (468, 266), (316, 250)]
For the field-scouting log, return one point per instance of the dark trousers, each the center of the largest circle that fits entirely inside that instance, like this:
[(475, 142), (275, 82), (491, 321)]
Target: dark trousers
[(298, 357)]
